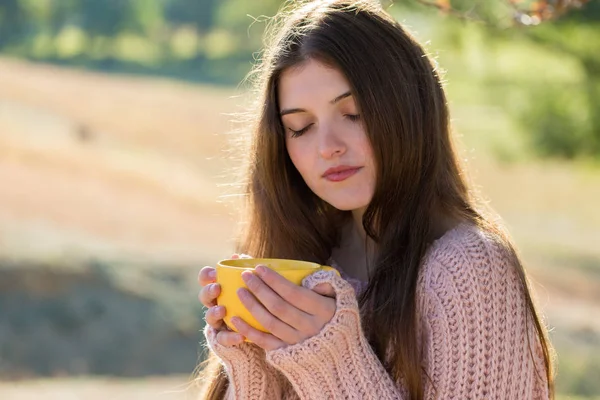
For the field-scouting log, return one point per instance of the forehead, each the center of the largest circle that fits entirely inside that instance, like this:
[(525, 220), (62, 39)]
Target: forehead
[(309, 83)]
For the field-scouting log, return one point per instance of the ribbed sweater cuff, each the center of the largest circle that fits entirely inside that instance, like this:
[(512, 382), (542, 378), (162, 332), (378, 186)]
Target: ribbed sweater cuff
[(249, 375), (338, 362)]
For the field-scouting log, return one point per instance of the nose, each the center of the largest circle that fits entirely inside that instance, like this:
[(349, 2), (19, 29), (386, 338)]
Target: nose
[(330, 143)]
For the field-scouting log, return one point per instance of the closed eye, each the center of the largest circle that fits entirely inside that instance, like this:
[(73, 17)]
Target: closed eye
[(351, 117), (301, 131)]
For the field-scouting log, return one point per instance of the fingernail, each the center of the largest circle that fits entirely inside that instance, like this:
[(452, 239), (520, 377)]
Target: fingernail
[(212, 274), (247, 277), (213, 288), (260, 270), (242, 293)]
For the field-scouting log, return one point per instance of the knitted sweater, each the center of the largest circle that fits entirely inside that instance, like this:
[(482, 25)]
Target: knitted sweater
[(474, 330)]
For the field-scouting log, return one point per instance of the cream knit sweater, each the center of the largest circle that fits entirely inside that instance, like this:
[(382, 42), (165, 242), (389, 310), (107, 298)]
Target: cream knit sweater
[(473, 335)]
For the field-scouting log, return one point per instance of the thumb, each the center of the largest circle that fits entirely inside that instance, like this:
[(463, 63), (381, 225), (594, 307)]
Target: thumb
[(325, 289)]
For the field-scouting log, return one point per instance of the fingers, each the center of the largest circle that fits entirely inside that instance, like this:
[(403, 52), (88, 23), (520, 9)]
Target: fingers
[(276, 305), (261, 339), (325, 289), (300, 297), (229, 338), (208, 294), (269, 320), (210, 290), (214, 317), (207, 275), (215, 314)]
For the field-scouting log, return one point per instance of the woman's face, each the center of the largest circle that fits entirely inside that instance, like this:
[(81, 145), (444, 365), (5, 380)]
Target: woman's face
[(325, 137)]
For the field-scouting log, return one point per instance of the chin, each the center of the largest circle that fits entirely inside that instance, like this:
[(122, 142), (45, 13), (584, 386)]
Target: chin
[(345, 205)]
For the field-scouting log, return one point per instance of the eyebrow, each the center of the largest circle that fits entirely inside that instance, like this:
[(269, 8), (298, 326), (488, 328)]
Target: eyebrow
[(334, 101)]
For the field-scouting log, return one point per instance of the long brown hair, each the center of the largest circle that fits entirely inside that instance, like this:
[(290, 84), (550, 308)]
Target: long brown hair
[(404, 112)]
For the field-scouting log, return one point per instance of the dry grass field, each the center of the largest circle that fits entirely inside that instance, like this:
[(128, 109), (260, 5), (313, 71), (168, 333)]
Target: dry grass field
[(110, 165), (152, 388), (117, 167)]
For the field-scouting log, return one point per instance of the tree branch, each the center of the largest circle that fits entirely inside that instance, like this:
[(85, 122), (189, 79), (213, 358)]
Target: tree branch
[(536, 13)]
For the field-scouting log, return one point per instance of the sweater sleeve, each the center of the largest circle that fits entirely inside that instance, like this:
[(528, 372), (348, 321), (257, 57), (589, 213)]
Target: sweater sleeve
[(338, 362), (478, 335), (474, 333), (248, 373)]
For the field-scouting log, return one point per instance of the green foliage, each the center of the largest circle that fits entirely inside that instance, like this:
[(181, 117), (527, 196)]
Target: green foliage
[(558, 121), (104, 18), (216, 40), (146, 16), (581, 42), (192, 39), (200, 14), (561, 117), (588, 14), (14, 22), (547, 77), (578, 362), (580, 376), (96, 317)]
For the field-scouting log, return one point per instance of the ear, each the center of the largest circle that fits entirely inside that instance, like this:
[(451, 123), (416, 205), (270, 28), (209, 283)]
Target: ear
[(325, 289)]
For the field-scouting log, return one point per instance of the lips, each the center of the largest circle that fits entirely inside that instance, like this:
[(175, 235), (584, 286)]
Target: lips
[(341, 173)]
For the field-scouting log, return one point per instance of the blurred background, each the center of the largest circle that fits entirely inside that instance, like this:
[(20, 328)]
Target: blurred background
[(115, 119)]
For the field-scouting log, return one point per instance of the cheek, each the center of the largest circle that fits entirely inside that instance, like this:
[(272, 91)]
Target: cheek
[(297, 155), (364, 145)]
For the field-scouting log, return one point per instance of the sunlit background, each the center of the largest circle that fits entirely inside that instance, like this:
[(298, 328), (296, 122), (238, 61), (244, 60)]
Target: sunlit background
[(115, 180)]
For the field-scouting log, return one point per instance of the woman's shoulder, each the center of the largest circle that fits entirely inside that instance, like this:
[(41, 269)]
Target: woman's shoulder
[(467, 255), (465, 238)]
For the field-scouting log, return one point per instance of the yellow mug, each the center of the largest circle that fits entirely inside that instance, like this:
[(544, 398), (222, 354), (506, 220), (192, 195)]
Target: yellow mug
[(229, 276)]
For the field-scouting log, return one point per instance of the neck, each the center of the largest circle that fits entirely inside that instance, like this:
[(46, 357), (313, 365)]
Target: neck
[(359, 236), (357, 217), (355, 251)]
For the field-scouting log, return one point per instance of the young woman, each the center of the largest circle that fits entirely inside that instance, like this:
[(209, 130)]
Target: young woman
[(352, 165)]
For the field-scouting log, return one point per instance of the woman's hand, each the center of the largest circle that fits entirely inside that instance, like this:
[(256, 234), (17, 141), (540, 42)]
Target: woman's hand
[(214, 315), (291, 313)]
